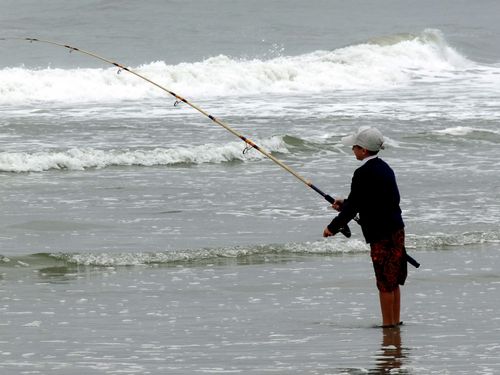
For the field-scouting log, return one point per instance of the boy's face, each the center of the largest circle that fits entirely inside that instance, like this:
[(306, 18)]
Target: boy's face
[(360, 152)]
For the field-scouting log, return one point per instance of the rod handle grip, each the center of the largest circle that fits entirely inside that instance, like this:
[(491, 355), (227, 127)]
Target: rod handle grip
[(412, 261)]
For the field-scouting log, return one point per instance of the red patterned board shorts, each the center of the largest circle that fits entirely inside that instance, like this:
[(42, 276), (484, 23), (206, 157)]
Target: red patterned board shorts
[(389, 262)]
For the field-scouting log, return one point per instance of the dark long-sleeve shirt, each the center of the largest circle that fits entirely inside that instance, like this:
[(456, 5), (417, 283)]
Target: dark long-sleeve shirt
[(375, 197)]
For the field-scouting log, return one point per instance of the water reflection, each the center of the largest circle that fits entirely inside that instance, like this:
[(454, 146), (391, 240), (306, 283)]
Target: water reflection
[(58, 274), (392, 357)]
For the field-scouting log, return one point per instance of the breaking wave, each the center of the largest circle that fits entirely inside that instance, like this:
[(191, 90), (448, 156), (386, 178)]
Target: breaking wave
[(415, 243), (83, 158), (377, 64)]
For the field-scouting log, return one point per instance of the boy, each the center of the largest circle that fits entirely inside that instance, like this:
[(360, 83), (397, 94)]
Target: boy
[(375, 198)]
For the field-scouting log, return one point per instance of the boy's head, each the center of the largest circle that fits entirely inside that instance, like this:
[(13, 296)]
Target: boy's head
[(369, 138)]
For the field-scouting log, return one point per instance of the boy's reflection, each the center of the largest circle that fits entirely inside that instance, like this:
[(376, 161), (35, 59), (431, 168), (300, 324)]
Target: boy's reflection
[(392, 355)]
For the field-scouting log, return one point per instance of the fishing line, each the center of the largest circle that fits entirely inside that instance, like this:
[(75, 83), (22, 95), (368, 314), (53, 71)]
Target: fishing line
[(179, 99)]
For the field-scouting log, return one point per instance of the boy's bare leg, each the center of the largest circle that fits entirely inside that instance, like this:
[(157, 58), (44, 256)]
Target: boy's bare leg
[(389, 303), (397, 306)]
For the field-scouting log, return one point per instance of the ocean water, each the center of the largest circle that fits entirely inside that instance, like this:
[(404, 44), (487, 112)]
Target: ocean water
[(137, 236)]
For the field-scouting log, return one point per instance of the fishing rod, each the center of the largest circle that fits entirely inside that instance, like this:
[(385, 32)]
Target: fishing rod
[(250, 144)]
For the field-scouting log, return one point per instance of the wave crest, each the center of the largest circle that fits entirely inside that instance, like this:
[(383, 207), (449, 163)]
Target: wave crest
[(376, 64), (334, 247), (79, 159)]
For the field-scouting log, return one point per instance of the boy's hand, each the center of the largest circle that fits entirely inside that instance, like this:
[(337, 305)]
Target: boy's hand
[(337, 205), (327, 233)]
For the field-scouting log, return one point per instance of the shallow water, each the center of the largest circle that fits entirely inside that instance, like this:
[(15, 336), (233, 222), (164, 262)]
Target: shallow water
[(250, 314)]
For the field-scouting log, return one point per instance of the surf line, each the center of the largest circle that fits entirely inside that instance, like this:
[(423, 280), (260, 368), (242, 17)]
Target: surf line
[(249, 143)]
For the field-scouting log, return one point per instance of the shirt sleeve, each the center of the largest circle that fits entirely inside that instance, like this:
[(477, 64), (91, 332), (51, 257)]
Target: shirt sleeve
[(351, 204)]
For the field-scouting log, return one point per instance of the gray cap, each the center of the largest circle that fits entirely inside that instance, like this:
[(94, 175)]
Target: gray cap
[(366, 137)]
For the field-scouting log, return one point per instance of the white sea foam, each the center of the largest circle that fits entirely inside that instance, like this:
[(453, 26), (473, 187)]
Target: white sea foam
[(440, 240), (458, 130), (82, 158), (339, 247), (380, 64), (140, 258), (464, 130)]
